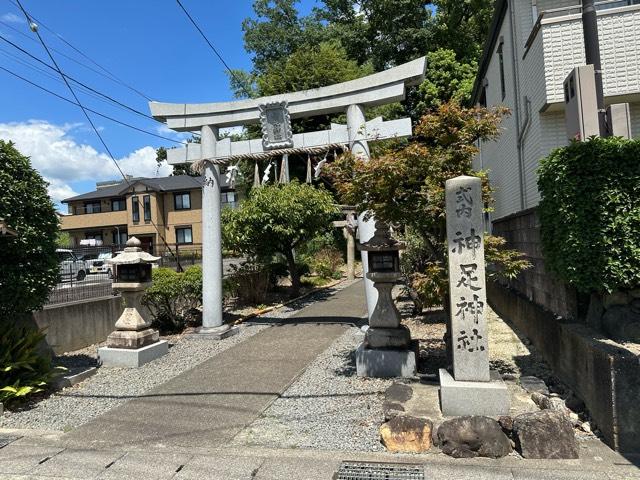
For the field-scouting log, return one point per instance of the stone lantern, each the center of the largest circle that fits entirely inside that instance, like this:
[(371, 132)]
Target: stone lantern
[(134, 342), (386, 350)]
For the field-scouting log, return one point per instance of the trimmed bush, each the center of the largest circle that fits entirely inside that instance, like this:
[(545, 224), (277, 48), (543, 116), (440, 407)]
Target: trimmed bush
[(174, 298), (590, 213)]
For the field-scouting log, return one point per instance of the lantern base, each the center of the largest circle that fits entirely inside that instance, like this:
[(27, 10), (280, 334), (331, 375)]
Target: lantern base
[(396, 338), (385, 363), (125, 357), (458, 398), (132, 340), (215, 333)]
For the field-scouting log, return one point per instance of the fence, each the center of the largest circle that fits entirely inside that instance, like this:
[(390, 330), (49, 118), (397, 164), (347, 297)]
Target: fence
[(178, 256)]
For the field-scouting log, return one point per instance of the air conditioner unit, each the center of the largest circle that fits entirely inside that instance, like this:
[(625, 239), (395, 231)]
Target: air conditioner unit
[(580, 103)]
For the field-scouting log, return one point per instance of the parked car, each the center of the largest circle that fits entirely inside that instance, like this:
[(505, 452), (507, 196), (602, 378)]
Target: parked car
[(70, 265), (98, 265)]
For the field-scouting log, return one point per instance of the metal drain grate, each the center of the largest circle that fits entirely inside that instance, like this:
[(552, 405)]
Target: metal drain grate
[(4, 441), (378, 471)]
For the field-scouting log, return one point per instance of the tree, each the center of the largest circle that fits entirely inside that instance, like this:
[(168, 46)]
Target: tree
[(383, 32), (277, 219), (405, 187), (29, 263), (278, 31), (462, 26), (446, 79)]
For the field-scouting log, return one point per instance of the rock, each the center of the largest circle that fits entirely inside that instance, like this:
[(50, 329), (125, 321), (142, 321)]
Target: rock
[(622, 324), (574, 403), (534, 384), (615, 298), (406, 434), (585, 427), (575, 419), (506, 422), (398, 393), (545, 434), (391, 410), (595, 311), (466, 437), (549, 403), (635, 305)]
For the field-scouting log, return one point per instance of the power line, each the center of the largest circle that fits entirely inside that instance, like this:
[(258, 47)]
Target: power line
[(62, 39), (124, 124), (98, 72), (78, 82), (86, 114), (241, 83)]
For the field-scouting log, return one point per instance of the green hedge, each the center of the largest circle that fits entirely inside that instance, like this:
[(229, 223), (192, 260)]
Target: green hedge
[(590, 213)]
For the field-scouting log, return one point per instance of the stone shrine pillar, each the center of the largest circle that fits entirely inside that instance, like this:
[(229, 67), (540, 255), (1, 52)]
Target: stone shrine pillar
[(356, 126), (212, 319), (473, 389)]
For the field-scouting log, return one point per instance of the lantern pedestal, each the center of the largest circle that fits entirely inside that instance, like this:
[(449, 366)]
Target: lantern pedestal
[(215, 333), (134, 342), (387, 348)]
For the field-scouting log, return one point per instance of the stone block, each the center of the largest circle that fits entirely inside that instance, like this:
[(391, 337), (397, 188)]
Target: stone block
[(123, 357), (214, 333), (132, 339), (398, 338), (545, 434), (473, 398), (385, 363), (473, 436), (405, 434)]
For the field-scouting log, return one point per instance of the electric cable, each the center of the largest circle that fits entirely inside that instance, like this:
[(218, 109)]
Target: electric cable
[(242, 85)]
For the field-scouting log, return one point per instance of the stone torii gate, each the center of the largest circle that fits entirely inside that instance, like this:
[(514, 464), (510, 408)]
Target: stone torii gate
[(274, 113)]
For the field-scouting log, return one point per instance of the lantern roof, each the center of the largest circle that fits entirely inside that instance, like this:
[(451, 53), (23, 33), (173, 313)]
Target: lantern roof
[(132, 254), (381, 241)]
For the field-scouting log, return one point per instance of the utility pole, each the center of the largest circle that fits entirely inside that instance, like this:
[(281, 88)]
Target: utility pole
[(592, 54)]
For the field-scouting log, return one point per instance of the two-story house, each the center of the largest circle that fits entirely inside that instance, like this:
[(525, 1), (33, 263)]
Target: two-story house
[(532, 46), (143, 207)]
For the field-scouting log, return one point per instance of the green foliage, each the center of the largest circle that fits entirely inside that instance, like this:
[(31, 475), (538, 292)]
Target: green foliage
[(590, 215), (406, 187), (24, 370), (446, 79), (63, 239), (29, 265), (327, 262), (311, 66), (383, 32), (249, 282), (174, 297), (276, 219), (462, 26)]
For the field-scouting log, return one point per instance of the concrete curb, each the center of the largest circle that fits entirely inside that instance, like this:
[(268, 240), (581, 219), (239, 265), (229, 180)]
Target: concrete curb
[(71, 380)]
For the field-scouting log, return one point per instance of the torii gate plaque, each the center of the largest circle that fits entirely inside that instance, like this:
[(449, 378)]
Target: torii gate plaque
[(352, 96)]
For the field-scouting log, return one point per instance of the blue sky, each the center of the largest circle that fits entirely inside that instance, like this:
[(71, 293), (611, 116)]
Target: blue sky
[(149, 44)]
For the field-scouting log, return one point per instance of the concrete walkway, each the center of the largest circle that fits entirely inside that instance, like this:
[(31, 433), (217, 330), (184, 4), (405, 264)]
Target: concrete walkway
[(208, 405)]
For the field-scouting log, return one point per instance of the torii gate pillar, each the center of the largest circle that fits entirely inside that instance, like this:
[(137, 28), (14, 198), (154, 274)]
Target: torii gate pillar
[(360, 148), (212, 320)]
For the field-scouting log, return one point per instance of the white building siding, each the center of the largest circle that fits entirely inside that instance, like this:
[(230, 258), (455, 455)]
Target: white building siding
[(619, 35), (500, 157)]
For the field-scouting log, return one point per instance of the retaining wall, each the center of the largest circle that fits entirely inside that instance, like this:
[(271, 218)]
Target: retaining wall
[(74, 325), (600, 371)]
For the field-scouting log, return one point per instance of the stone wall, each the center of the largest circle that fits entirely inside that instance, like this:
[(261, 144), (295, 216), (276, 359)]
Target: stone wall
[(74, 325), (522, 232), (602, 373)]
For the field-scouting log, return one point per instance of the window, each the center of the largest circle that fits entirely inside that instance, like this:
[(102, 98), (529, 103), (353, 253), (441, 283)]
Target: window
[(503, 89), (118, 204), (120, 241), (92, 207), (228, 199), (182, 201), (183, 235), (146, 200), (135, 209)]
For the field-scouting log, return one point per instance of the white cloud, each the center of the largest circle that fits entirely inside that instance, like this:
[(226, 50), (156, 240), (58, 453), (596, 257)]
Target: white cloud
[(62, 160), (12, 18)]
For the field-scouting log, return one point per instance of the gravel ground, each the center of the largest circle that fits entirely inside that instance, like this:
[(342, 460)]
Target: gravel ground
[(328, 407), (109, 387)]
